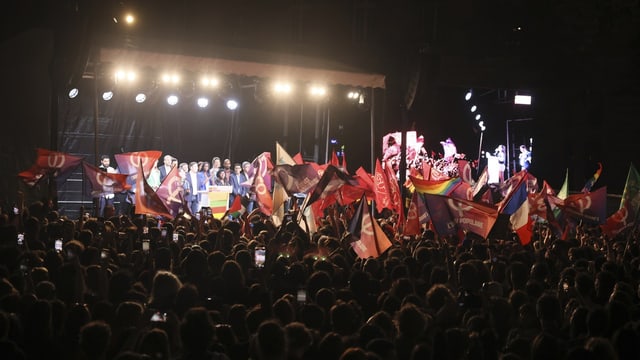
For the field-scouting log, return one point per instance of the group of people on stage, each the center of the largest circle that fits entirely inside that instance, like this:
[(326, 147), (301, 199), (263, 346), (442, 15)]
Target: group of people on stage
[(196, 177)]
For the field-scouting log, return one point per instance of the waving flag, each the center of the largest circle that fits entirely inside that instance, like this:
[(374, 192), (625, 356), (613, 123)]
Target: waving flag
[(449, 214), (383, 195), (438, 187), (417, 215), (147, 201), (102, 181), (369, 240), (589, 184), (262, 185), (591, 206), (465, 171), (394, 193), (170, 192), (332, 179), (627, 214), (522, 224), (280, 194), (50, 163), (128, 163), (296, 178)]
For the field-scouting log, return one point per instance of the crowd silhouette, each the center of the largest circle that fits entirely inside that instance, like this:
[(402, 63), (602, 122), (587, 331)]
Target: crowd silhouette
[(196, 293)]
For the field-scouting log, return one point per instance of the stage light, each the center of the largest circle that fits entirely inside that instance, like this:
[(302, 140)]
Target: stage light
[(209, 82), (317, 91), (353, 95), (171, 78), (123, 75), (474, 108), (107, 95), (202, 102), (468, 95), (172, 100), (73, 93), (481, 125), (478, 116), (129, 19), (140, 98), (334, 141), (522, 100), (232, 104), (283, 88)]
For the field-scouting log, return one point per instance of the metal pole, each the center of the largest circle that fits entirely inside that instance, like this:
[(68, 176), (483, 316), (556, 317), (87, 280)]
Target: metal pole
[(95, 114), (326, 150), (507, 161), (316, 136), (480, 149), (233, 114), (300, 136), (371, 125)]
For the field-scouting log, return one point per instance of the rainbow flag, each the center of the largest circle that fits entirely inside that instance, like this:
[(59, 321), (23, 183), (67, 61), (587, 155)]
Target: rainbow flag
[(436, 187)]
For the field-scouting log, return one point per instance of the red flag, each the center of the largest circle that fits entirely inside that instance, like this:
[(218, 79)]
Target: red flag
[(296, 178), (383, 195), (331, 181), (147, 201), (394, 192), (128, 163), (629, 206), (368, 238), (57, 162), (590, 206), (465, 171), (298, 158), (102, 181), (448, 213), (170, 192), (33, 175), (53, 163), (263, 194), (412, 225), (365, 181)]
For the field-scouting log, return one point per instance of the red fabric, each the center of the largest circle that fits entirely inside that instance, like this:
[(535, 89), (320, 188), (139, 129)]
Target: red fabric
[(102, 181), (128, 163), (383, 196), (147, 201)]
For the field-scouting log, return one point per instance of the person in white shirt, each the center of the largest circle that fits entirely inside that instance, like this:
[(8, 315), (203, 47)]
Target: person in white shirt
[(107, 196)]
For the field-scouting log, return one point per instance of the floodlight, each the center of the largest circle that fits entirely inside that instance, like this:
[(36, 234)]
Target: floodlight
[(474, 108), (107, 95), (468, 95), (478, 116), (232, 104), (522, 100), (140, 98), (73, 93), (202, 102), (172, 99), (317, 91)]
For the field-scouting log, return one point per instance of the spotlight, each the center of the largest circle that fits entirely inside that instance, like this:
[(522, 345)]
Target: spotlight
[(232, 104), (203, 102), (522, 100), (353, 95), (172, 99), (170, 78), (474, 108), (317, 91), (209, 82), (478, 116), (140, 98), (282, 88), (129, 19), (468, 95), (107, 95), (73, 93)]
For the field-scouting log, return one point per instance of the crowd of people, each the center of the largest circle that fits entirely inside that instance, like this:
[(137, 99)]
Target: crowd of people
[(137, 287)]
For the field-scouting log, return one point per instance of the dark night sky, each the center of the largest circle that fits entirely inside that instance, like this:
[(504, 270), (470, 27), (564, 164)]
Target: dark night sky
[(578, 60)]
